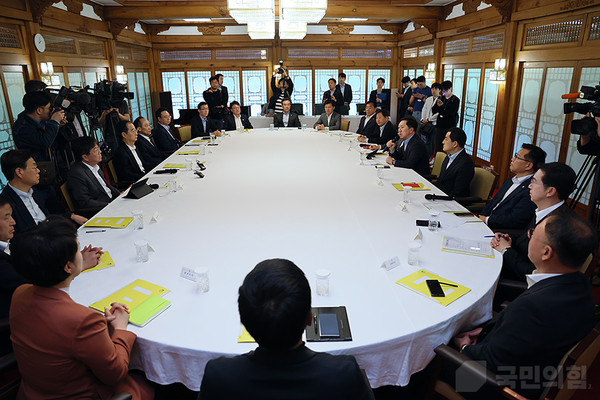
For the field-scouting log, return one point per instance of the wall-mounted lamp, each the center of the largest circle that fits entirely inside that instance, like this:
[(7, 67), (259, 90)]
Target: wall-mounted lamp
[(121, 76), (430, 71), (498, 74), (47, 68)]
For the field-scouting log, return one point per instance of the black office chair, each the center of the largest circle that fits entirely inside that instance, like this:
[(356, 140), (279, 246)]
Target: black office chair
[(343, 109), (360, 108), (298, 108), (319, 109), (246, 110)]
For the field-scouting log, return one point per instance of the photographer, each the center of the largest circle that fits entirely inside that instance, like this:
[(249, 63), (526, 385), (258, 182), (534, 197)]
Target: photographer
[(110, 118), (36, 128), (282, 91), (588, 144)]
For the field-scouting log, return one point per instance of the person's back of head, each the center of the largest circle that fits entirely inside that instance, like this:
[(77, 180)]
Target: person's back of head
[(420, 79), (13, 159), (274, 304), (559, 176), (406, 79), (82, 146), (41, 252), (34, 100), (34, 86), (571, 238)]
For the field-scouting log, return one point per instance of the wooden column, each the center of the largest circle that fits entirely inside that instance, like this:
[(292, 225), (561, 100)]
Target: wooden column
[(437, 55), (32, 28), (112, 58)]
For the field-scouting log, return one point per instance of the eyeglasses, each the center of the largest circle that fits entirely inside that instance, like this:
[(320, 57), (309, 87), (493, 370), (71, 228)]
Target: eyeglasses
[(520, 158)]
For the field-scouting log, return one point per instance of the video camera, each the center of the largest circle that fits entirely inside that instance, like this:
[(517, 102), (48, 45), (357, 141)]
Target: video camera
[(110, 94), (71, 100), (586, 125)]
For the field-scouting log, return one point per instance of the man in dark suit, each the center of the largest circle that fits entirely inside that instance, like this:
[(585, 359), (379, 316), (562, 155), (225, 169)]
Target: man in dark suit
[(404, 97), (127, 159), (511, 207), (236, 120), (557, 310), (9, 278), (385, 130), (164, 138), (333, 94), (345, 89), (381, 96), (86, 183), (329, 119), (29, 206), (412, 152), (151, 155), (203, 125), (215, 98), (550, 186), (447, 107), (458, 168), (368, 128), (287, 118), (274, 304), (222, 88)]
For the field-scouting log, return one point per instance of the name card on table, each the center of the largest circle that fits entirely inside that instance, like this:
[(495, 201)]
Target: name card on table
[(391, 263)]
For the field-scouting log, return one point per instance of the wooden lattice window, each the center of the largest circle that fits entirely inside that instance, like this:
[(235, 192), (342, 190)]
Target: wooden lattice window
[(425, 51), (491, 41), (241, 54), (457, 46), (58, 44), (411, 52), (367, 53), (595, 28), (185, 55), (9, 36), (557, 32), (312, 53)]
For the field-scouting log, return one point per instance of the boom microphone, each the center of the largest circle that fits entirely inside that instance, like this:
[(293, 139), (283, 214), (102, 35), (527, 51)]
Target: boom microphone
[(438, 197)]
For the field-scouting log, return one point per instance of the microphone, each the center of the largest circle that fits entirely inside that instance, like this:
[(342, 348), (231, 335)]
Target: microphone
[(384, 147), (438, 197)]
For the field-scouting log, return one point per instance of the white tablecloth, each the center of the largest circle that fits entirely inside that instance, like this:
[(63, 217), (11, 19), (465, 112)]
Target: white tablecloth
[(296, 195), (264, 122)]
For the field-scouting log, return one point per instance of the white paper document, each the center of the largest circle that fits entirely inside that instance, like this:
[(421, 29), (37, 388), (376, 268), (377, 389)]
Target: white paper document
[(481, 248), (445, 206)]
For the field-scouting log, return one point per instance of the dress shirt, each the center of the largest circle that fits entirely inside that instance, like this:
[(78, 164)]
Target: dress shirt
[(27, 198), (342, 87), (381, 128), (541, 214), (534, 278), (96, 171), (516, 183), (238, 122), (426, 113), (78, 127), (204, 123), (147, 138), (367, 118), (4, 247), (329, 119), (451, 158), (170, 133), (405, 144), (137, 158), (286, 119)]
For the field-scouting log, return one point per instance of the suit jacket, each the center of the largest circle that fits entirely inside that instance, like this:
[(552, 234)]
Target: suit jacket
[(85, 190), (515, 260), (42, 196), (515, 211), (403, 104), (339, 98), (297, 374), (347, 92), (389, 133), (370, 129), (74, 356), (385, 104), (151, 155), (198, 128), (448, 113), (126, 167), (230, 122), (456, 179), (537, 329), (166, 143), (38, 139), (293, 120), (9, 281), (334, 124), (414, 157)]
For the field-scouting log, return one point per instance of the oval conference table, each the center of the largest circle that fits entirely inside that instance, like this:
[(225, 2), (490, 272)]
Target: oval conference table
[(304, 196)]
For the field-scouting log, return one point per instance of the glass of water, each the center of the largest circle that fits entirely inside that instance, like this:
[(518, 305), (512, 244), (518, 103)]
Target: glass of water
[(407, 191), (434, 222), (380, 169)]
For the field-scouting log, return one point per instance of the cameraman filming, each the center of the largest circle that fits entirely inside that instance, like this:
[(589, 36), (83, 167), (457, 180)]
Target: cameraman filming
[(36, 128), (587, 144), (110, 118)]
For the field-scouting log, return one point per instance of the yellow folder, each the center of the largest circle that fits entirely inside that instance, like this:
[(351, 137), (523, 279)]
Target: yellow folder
[(188, 152), (143, 299), (173, 165), (105, 262), (417, 282), (414, 185), (109, 222)]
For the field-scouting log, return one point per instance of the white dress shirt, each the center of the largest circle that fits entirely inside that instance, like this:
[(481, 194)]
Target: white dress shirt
[(168, 130), (516, 183), (96, 171), (534, 278), (329, 119), (541, 214), (426, 112), (238, 122), (147, 138), (451, 157), (36, 212), (4, 247), (137, 158), (286, 119)]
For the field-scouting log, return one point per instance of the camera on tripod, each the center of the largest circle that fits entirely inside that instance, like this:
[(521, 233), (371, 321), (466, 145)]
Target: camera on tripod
[(586, 125), (71, 100)]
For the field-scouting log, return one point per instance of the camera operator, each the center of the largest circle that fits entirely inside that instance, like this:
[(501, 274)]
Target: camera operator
[(283, 90), (110, 118), (587, 144), (36, 128)]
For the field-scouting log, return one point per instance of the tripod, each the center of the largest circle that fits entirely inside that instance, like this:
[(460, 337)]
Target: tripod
[(586, 174)]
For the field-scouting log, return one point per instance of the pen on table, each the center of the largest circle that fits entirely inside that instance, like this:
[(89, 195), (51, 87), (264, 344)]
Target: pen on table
[(101, 230), (491, 236), (448, 284), (315, 322)]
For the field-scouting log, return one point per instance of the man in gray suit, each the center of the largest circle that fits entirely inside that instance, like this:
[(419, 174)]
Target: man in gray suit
[(86, 183), (329, 119)]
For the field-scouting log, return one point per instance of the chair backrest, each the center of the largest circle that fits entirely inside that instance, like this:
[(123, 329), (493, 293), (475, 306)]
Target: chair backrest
[(343, 109), (319, 109), (586, 264), (67, 197), (437, 163), (298, 108), (572, 369), (113, 171), (482, 183), (360, 108), (345, 125), (185, 133)]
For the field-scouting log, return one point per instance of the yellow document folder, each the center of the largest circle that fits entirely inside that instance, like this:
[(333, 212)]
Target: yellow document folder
[(188, 152), (176, 166), (105, 262), (413, 185), (109, 222), (417, 282), (143, 299)]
